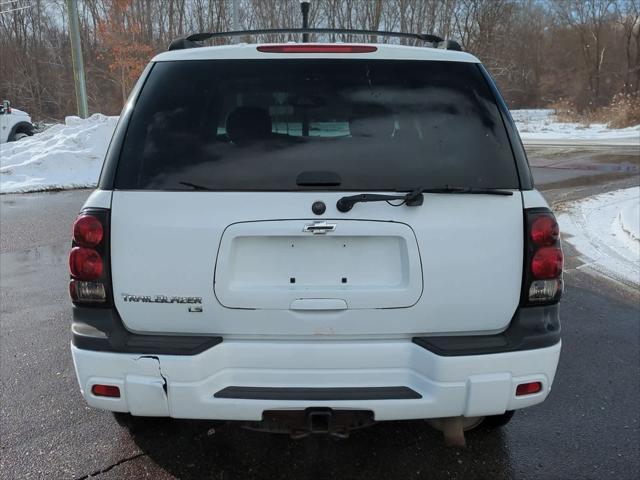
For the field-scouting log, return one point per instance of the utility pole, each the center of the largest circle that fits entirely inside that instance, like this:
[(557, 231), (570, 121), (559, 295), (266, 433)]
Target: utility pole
[(235, 19), (76, 55)]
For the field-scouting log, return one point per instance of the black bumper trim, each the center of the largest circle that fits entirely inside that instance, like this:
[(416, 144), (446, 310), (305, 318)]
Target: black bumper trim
[(102, 330), (530, 328), (319, 394)]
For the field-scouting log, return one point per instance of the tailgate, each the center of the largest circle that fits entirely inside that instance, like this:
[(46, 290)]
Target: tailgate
[(453, 264)]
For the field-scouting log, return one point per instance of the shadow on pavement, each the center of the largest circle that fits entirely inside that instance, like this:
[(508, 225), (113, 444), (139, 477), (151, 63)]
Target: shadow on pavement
[(410, 449)]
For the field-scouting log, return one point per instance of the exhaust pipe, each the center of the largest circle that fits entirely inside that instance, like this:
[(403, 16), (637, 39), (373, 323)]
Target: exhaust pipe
[(452, 428)]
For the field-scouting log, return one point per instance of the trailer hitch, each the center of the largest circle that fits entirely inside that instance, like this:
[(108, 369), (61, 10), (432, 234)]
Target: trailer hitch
[(311, 421)]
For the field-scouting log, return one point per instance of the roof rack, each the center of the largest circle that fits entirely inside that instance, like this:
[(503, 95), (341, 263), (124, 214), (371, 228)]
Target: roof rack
[(190, 40)]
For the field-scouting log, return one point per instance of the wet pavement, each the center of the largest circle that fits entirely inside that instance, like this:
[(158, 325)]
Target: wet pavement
[(588, 428)]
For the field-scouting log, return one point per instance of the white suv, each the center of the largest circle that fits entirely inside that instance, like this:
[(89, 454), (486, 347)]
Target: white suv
[(317, 236)]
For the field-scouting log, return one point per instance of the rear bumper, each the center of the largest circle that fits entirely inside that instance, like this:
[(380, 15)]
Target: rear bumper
[(102, 329), (289, 375)]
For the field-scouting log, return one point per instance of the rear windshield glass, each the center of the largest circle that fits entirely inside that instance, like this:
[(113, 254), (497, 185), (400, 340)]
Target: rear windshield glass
[(304, 124)]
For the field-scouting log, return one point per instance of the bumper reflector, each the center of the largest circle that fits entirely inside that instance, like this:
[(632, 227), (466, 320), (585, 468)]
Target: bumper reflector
[(106, 391), (528, 388)]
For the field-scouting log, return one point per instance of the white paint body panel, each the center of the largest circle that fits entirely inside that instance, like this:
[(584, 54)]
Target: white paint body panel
[(449, 386), (533, 199), (98, 199), (470, 249)]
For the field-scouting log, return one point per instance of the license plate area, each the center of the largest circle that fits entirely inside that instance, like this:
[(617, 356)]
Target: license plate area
[(272, 264)]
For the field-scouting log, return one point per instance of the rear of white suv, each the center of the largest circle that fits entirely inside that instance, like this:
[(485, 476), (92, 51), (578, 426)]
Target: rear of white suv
[(343, 229)]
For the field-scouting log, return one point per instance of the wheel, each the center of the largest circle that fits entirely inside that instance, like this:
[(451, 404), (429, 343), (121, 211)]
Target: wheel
[(497, 421), (139, 424), (19, 136)]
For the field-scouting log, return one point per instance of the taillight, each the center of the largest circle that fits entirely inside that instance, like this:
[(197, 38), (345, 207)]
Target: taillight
[(85, 263), (317, 48), (544, 230), (547, 263), (89, 259), (87, 231), (542, 280)]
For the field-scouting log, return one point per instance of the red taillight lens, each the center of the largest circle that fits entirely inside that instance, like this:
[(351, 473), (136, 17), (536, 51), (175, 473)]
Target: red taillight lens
[(545, 231), (87, 231), (85, 263), (547, 263), (542, 279), (317, 49), (528, 388), (106, 391)]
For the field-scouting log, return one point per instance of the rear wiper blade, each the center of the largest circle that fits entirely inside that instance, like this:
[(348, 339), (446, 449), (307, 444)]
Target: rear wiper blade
[(195, 186), (469, 190), (411, 199)]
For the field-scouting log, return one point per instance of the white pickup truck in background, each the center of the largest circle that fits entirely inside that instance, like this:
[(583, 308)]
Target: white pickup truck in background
[(14, 124)]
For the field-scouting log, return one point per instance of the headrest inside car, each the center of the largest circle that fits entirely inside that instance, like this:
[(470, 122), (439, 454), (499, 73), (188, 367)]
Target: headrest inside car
[(248, 124)]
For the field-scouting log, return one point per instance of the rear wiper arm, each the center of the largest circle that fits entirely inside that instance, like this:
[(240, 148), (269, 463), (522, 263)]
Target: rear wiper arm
[(411, 199), (414, 197)]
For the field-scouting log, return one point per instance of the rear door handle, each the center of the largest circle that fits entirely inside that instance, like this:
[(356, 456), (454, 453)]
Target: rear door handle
[(318, 304), (319, 227)]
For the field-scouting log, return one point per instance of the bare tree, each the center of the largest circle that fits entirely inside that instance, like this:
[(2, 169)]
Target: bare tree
[(589, 19)]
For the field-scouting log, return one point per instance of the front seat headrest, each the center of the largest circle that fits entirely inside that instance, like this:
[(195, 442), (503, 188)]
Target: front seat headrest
[(248, 124)]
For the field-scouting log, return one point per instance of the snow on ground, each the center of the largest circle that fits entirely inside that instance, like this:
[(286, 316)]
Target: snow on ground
[(630, 220), (605, 230), (65, 156), (542, 125)]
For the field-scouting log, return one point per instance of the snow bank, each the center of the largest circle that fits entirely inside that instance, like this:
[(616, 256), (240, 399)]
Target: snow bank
[(65, 156), (543, 125), (630, 220), (604, 229)]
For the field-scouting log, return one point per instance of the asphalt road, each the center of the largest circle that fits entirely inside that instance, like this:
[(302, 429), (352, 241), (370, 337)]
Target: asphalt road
[(588, 428)]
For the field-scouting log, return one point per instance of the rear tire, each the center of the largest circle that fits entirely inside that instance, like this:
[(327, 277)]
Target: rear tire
[(492, 422), (19, 136)]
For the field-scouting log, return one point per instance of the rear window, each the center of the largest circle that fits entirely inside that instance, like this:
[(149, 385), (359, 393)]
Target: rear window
[(303, 124)]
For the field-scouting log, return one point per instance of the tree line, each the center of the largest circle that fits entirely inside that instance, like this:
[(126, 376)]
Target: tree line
[(582, 54)]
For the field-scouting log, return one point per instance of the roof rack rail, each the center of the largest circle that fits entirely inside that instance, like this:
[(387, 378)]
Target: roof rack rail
[(190, 40)]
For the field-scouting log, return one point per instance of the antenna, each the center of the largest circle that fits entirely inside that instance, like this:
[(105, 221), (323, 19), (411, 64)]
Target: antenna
[(304, 8)]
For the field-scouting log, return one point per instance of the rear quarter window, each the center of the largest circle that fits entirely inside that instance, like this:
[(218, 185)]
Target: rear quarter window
[(259, 124)]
